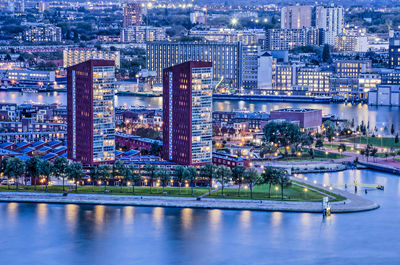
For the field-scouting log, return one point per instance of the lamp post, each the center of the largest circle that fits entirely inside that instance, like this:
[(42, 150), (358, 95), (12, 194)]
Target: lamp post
[(305, 190)]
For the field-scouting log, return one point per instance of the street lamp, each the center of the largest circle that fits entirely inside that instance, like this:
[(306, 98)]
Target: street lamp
[(234, 21), (305, 190)]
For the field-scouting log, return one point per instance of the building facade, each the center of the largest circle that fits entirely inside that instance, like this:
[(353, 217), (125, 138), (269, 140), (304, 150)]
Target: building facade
[(352, 68), (348, 43), (287, 39), (79, 55), (41, 33), (296, 17), (331, 20), (132, 13), (187, 110), (315, 80), (90, 107), (142, 34), (246, 37), (226, 58), (394, 50)]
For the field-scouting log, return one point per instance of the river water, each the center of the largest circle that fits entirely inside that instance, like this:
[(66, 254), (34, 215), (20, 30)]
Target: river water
[(72, 234), (381, 117)]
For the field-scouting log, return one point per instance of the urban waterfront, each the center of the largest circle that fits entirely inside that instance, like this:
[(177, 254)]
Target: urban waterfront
[(72, 234), (379, 116)]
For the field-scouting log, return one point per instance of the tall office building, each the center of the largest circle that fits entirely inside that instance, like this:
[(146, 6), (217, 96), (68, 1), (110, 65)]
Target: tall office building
[(331, 20), (394, 50), (187, 111), (90, 112), (226, 58), (296, 17), (132, 14)]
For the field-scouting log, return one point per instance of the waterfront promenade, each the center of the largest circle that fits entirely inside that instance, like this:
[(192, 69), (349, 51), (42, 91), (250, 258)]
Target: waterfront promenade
[(353, 203)]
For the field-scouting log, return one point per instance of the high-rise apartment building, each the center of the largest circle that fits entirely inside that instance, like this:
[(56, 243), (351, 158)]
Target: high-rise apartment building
[(296, 17), (187, 111), (394, 50), (132, 14), (331, 20), (90, 112), (226, 58), (74, 56)]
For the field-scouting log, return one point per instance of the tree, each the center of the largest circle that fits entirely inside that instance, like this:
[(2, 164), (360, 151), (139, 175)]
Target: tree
[(179, 176), (319, 143), (269, 177), (283, 134), (118, 168), (342, 148), (94, 175), (396, 139), (164, 178), (326, 54), (330, 129), (15, 168), (251, 177), (74, 172), (131, 175), (59, 166), (223, 175), (3, 166), (45, 169), (237, 176), (155, 149), (208, 172), (105, 171), (191, 176), (150, 173), (392, 129), (283, 179), (32, 169)]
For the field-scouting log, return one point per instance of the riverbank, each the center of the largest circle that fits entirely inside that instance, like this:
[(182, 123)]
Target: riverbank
[(353, 203)]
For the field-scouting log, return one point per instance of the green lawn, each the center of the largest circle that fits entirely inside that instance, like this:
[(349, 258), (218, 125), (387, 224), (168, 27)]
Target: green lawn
[(387, 142), (141, 191), (318, 156), (260, 192), (338, 197), (292, 193)]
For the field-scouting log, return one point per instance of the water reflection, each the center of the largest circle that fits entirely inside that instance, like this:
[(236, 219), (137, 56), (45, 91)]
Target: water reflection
[(276, 219), (158, 220), (12, 212), (245, 219), (187, 218), (379, 116), (99, 213), (128, 213), (71, 215), (192, 236), (41, 213)]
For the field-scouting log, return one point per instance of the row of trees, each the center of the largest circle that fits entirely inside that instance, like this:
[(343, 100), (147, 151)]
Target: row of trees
[(40, 170)]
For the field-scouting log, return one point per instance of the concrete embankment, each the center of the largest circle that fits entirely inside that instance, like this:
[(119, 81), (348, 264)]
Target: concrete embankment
[(352, 204), (380, 167)]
